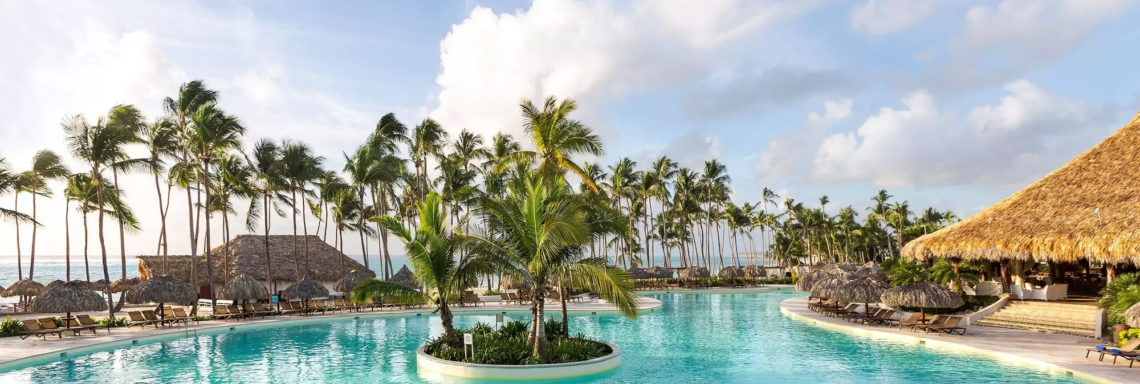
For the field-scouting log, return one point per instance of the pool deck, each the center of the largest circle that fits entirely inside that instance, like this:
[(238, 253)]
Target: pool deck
[(16, 352), (1051, 352)]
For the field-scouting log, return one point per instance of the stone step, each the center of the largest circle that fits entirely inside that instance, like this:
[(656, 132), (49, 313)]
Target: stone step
[(1047, 329), (1053, 317), (1047, 322)]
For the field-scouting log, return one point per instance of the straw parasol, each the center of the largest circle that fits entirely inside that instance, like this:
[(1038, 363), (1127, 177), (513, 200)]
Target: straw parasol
[(730, 272), (121, 285), (162, 289), (72, 296), (404, 277), (871, 270), (1132, 316), (55, 283), (305, 289), (695, 272), (100, 285), (808, 279), (922, 294), (23, 287), (351, 280), (829, 286), (1086, 209), (639, 274), (659, 272), (862, 290), (244, 287)]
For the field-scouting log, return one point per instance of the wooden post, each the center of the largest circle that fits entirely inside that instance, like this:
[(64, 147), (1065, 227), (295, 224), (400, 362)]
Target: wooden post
[(1006, 281), (1110, 271)]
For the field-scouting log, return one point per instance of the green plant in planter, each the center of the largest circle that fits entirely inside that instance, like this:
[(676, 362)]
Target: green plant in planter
[(11, 327), (508, 345)]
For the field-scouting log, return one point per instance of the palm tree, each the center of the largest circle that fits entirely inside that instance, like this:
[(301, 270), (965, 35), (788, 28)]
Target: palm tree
[(428, 139), (556, 139), (46, 165), (663, 170), (161, 140), (539, 232), (12, 182), (431, 248), (268, 181), (299, 166), (213, 132), (389, 133), (131, 122), (235, 179), (101, 146)]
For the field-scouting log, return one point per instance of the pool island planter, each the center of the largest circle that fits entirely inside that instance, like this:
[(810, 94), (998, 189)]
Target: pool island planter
[(431, 366)]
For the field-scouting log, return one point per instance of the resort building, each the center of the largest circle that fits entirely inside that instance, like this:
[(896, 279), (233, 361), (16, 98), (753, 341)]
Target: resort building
[(245, 254)]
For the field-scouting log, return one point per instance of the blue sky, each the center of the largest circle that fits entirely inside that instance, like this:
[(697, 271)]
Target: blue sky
[(954, 104)]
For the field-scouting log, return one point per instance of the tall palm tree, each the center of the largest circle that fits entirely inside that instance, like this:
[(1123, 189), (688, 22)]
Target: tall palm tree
[(389, 133), (431, 248), (130, 120), (664, 170), (235, 179), (161, 141), (101, 147), (428, 139), (46, 166), (715, 176), (556, 140), (268, 182), (13, 182), (213, 132), (299, 166), (540, 232)]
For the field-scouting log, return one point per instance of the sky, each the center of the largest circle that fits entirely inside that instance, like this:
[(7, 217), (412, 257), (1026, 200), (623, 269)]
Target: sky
[(950, 104)]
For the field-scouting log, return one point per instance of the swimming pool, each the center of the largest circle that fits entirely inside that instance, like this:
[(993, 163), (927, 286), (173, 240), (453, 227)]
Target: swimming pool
[(692, 338)]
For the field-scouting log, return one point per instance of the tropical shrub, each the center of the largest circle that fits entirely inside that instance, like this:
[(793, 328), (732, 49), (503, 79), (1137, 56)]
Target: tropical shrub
[(905, 271), (1129, 334), (11, 327), (115, 322), (57, 320), (1116, 297), (507, 345)]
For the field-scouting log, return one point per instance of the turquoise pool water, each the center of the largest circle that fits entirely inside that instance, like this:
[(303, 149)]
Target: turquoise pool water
[(692, 338)]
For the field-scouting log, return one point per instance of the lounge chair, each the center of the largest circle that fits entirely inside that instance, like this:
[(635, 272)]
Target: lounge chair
[(289, 308), (150, 315), (33, 329), (911, 321), (937, 320), (78, 327), (949, 326), (469, 297), (223, 313), (180, 313), (87, 321), (886, 316), (137, 319), (170, 317), (1130, 346), (49, 324)]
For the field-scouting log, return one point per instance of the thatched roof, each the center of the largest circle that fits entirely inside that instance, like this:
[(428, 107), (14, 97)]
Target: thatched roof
[(121, 285), (871, 270), (1086, 209), (753, 271), (862, 290), (55, 283), (694, 272), (98, 285), (305, 289), (659, 272), (639, 274), (247, 256), (351, 280), (244, 287), (162, 289), (1132, 316), (809, 279), (72, 296), (730, 271), (922, 294), (407, 279), (829, 286), (23, 287)]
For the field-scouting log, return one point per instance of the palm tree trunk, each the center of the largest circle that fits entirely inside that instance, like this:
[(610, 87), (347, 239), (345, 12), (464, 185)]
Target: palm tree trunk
[(86, 261), (268, 261), (32, 260), (122, 236), (562, 297), (305, 227), (103, 246), (19, 253), (539, 328), (162, 231), (67, 238), (209, 265), (296, 255), (226, 230), (446, 317)]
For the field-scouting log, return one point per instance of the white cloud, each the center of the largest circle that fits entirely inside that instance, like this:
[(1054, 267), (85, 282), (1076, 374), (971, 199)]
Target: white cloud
[(1029, 132), (881, 17), (692, 149), (586, 51), (785, 154)]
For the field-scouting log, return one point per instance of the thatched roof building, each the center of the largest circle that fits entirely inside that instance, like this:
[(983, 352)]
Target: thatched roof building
[(1086, 209), (246, 254)]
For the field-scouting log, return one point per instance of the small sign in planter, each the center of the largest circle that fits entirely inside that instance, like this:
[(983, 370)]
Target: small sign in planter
[(435, 368)]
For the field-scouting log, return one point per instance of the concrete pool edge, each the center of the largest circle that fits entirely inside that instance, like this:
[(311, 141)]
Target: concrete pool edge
[(433, 367), (945, 345), (281, 321)]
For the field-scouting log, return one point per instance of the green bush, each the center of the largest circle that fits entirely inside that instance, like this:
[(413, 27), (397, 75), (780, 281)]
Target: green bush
[(1117, 296), (113, 323), (57, 320), (11, 327), (507, 345)]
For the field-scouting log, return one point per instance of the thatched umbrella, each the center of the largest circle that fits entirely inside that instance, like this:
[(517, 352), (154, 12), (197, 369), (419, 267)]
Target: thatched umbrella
[(828, 287), (695, 272), (871, 270), (351, 280), (730, 272), (23, 288), (72, 296), (753, 271), (244, 287), (55, 283), (638, 274), (407, 279), (1085, 210), (659, 272), (1132, 316), (807, 280), (863, 290), (922, 294), (161, 290), (100, 285), (121, 285), (305, 289)]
